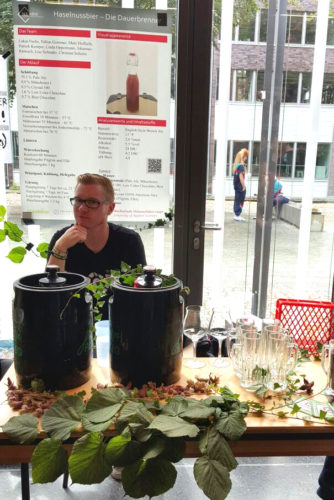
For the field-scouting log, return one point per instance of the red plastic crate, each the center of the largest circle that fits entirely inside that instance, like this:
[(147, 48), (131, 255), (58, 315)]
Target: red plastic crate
[(309, 321)]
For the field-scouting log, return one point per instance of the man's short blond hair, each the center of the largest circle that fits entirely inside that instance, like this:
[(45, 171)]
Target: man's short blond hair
[(106, 183)]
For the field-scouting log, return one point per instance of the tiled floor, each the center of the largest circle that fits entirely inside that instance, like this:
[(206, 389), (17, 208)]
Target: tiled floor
[(293, 478)]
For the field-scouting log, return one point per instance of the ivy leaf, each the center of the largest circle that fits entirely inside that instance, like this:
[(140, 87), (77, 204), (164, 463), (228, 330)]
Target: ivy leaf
[(281, 414), (232, 425), (295, 409), (104, 404), (17, 254), (148, 477), (139, 431), (212, 477), (87, 463), (154, 447), (136, 413), (43, 249), (63, 417), (121, 451), (2, 234), (322, 414), (22, 429), (49, 461), (174, 426), (2, 212), (215, 446), (13, 232)]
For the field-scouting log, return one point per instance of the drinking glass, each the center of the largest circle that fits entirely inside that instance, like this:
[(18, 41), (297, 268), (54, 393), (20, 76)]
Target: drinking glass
[(251, 362), (236, 359), (327, 363), (218, 330), (195, 326)]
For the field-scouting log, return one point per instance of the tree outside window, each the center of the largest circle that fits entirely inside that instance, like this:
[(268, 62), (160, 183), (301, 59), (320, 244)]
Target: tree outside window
[(330, 31), (311, 20), (294, 27), (263, 25), (243, 85), (328, 89)]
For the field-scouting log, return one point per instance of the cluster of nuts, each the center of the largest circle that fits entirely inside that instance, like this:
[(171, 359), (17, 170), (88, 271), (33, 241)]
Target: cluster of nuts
[(27, 401)]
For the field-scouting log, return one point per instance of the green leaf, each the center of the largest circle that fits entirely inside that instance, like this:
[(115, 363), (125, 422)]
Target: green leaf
[(22, 429), (13, 232), (2, 234), (176, 406), (104, 404), (95, 427), (212, 477), (232, 425), (154, 447), (322, 414), (174, 426), (17, 254), (49, 461), (215, 446), (63, 417), (2, 212), (295, 409), (174, 449), (43, 249), (148, 477), (139, 431), (136, 413), (121, 451), (87, 463), (199, 412)]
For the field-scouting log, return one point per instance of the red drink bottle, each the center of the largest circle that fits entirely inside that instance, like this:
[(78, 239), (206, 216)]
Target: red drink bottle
[(132, 83)]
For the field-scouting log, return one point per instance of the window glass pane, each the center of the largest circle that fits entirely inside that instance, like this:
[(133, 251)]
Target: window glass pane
[(311, 20), (260, 85), (285, 159), (263, 25), (290, 86), (255, 164), (294, 27), (330, 32), (300, 159), (228, 166), (144, 4), (306, 87), (237, 145), (247, 30), (243, 85), (328, 89), (323, 159)]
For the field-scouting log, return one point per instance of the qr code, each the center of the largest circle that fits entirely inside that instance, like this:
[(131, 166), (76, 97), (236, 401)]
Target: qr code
[(154, 165)]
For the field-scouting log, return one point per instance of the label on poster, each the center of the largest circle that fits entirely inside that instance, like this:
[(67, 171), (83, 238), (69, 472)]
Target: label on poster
[(93, 89)]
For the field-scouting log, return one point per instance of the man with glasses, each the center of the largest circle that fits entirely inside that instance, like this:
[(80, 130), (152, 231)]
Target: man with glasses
[(92, 246)]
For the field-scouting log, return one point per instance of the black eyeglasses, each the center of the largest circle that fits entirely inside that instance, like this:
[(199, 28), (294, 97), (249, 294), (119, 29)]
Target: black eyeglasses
[(90, 203)]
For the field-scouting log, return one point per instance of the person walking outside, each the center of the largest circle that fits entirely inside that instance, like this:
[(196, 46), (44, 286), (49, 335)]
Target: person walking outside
[(239, 173)]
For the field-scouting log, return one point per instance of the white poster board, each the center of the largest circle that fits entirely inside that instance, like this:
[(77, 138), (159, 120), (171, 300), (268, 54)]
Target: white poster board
[(93, 89)]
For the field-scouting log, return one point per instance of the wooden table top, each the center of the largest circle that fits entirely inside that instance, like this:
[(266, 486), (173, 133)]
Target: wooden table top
[(255, 423)]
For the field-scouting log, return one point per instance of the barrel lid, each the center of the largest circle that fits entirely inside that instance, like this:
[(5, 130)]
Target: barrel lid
[(52, 278)]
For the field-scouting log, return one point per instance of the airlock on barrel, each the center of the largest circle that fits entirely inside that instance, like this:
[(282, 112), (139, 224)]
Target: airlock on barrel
[(149, 279), (52, 279)]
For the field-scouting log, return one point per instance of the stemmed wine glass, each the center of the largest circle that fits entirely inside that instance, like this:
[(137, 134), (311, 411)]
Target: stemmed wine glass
[(218, 330), (195, 326)]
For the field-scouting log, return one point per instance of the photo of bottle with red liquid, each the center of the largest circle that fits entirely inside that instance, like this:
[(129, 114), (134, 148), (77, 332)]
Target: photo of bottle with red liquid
[(132, 83)]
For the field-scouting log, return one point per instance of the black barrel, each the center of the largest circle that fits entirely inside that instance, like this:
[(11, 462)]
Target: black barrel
[(47, 346), (146, 334)]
